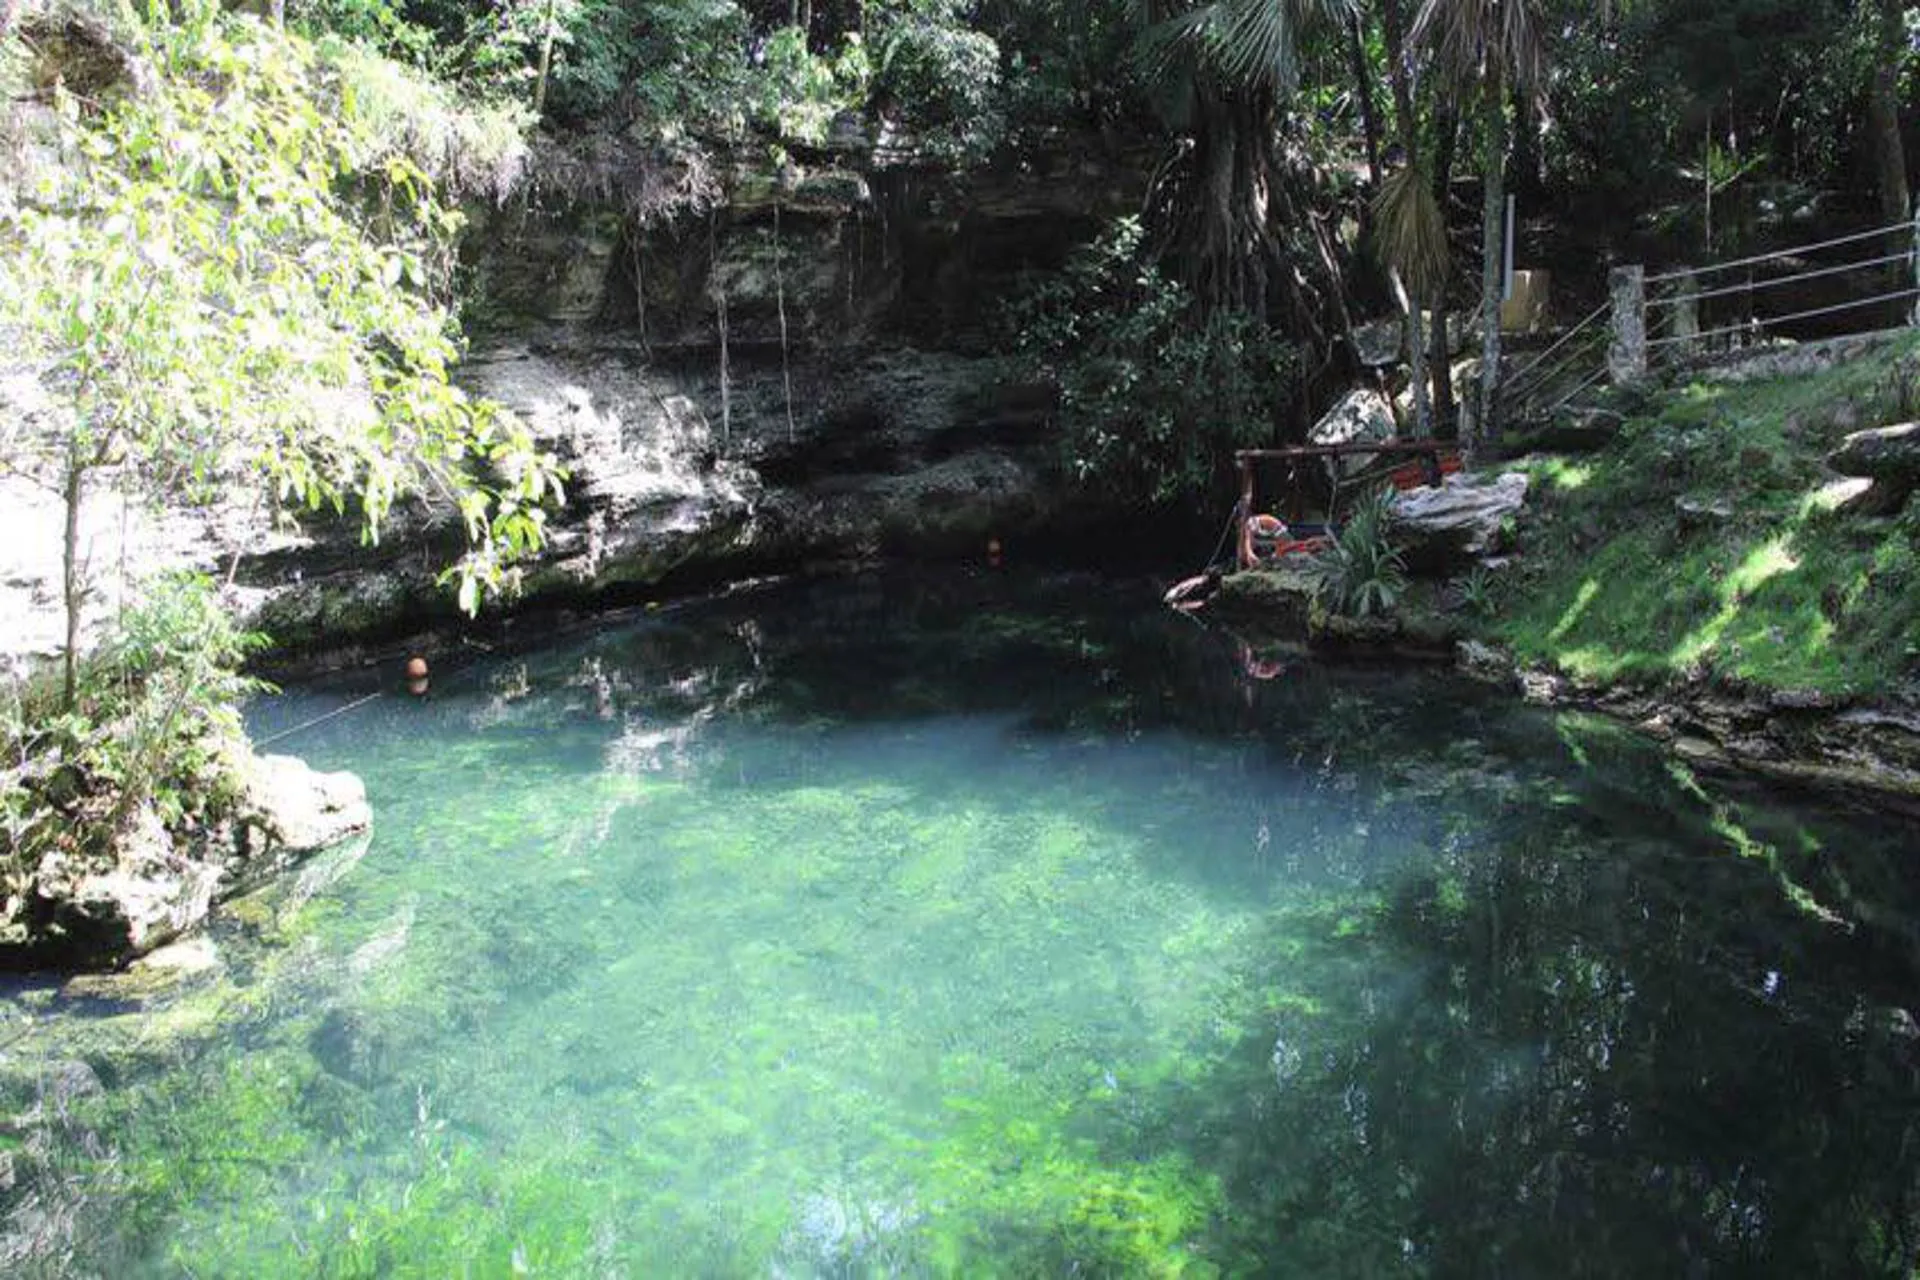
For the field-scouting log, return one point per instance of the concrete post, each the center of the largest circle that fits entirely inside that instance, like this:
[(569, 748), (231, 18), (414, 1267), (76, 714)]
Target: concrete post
[(1914, 318), (1684, 327), (1627, 354)]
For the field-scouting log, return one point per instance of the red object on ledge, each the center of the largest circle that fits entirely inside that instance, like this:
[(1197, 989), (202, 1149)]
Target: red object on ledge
[(1414, 474)]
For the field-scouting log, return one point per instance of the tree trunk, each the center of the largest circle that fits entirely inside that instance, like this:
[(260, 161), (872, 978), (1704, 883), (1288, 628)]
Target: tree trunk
[(1394, 28), (1883, 121), (1440, 348), (73, 586), (1363, 85), (1417, 350), (546, 60), (1493, 245)]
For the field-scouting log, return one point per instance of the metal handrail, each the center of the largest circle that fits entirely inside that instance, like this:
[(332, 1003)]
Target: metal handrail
[(1905, 226), (1525, 383), (1754, 286), (1565, 338), (1744, 327), (1567, 399)]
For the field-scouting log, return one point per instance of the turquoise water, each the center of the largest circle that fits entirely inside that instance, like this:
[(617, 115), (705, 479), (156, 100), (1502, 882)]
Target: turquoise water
[(990, 925)]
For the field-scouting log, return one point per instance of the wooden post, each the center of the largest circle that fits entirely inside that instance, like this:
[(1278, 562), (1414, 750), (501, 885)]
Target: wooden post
[(1627, 355)]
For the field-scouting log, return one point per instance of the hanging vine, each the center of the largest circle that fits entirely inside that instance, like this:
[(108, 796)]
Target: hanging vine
[(780, 298)]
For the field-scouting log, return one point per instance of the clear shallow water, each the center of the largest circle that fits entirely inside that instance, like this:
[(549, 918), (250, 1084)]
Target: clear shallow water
[(984, 925)]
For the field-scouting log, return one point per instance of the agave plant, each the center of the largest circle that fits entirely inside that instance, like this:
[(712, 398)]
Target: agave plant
[(1362, 573)]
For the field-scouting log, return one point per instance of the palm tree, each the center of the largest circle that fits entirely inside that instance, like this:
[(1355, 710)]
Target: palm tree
[(1223, 71), (1497, 48), (1412, 237)]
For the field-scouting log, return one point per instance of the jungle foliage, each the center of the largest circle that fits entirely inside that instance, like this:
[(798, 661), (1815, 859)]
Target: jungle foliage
[(1155, 393), (236, 280), (1696, 126)]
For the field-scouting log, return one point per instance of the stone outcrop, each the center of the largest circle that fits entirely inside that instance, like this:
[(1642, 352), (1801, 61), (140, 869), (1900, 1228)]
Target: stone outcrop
[(1361, 416), (78, 910), (675, 481), (289, 810), (1888, 459), (1800, 738), (1884, 453), (856, 415), (1440, 528)]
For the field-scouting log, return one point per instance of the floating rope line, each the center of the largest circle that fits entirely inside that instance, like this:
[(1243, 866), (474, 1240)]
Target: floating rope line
[(482, 651), (337, 712)]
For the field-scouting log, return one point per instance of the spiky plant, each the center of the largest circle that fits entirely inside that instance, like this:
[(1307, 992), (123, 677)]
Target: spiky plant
[(1411, 234), (1363, 572)]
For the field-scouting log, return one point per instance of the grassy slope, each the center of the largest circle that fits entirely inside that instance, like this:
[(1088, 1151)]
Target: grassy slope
[(1616, 583)]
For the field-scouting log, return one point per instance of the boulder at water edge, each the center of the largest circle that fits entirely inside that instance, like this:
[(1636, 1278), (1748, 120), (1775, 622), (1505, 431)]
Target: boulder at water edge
[(79, 911), (290, 809), (1441, 528)]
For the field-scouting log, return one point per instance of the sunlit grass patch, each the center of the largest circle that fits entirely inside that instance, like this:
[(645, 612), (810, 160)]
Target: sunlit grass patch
[(1707, 540)]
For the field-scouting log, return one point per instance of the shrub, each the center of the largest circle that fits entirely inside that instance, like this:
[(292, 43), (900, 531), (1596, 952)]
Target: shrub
[(944, 78), (152, 724), (1155, 391), (1362, 573)]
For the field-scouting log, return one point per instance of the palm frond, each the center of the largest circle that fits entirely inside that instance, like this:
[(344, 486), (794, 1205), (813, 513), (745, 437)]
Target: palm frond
[(1411, 232), (1474, 39), (1251, 42)]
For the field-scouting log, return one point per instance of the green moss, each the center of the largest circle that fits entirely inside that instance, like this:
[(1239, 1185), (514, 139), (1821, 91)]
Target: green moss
[(1700, 544)]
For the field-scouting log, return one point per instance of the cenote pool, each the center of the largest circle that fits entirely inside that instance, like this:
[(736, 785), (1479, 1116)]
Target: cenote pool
[(996, 925)]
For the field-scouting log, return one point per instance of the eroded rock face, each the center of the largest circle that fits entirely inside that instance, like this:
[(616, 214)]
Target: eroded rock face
[(1442, 527), (290, 810), (1800, 737), (77, 911), (674, 479)]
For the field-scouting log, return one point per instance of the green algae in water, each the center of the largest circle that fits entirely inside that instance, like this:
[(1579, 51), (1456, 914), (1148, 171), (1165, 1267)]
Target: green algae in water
[(976, 927)]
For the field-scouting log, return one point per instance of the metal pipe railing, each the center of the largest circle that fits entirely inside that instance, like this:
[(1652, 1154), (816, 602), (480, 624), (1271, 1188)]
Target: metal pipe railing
[(1772, 282), (1525, 382), (1747, 326), (1568, 336), (1906, 227)]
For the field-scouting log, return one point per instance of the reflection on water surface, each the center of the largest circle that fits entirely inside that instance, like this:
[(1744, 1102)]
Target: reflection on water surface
[(992, 925)]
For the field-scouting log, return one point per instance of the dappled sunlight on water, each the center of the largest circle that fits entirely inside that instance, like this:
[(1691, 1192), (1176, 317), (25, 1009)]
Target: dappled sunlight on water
[(1001, 926)]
